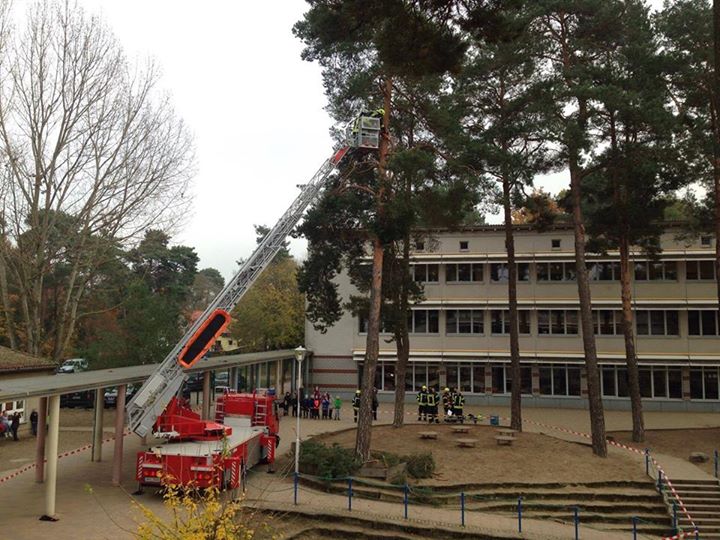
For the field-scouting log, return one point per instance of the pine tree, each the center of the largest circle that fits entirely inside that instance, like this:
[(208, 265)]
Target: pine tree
[(690, 31), (364, 47), (627, 194), (501, 104), (572, 38)]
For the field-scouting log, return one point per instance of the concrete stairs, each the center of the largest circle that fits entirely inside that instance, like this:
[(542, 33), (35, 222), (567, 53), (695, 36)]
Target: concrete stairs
[(607, 506), (702, 500)]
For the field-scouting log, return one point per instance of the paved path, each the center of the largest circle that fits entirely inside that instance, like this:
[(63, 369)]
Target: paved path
[(90, 507)]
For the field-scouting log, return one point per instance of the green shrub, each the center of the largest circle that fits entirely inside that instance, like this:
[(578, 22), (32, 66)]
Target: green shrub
[(420, 465), (327, 462)]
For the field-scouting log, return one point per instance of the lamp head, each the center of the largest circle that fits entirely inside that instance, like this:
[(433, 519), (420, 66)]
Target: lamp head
[(300, 353)]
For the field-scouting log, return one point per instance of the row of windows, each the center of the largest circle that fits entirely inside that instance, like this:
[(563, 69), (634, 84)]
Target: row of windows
[(464, 245), (658, 382), (606, 322), (562, 271)]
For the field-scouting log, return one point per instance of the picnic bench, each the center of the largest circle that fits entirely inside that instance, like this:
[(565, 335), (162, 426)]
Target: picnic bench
[(466, 443), (506, 432), (428, 435), (461, 429), (504, 439)]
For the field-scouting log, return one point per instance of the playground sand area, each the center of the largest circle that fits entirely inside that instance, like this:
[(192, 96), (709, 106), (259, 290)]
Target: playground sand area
[(532, 457)]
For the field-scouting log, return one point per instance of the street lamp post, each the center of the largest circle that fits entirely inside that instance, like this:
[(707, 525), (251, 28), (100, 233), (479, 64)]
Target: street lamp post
[(299, 356)]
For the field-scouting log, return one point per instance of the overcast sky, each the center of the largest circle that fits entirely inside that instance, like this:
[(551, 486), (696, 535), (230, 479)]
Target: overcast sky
[(234, 71)]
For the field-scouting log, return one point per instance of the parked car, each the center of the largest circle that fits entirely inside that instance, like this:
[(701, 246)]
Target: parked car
[(111, 394), (73, 365), (84, 399)]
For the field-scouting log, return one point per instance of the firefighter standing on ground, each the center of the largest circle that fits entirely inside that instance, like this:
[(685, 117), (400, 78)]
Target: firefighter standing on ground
[(432, 404), (447, 402), (458, 405), (422, 403), (356, 405)]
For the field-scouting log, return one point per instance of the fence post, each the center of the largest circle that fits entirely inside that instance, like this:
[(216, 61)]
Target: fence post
[(659, 481), (634, 522), (675, 521), (350, 494), (462, 508), (406, 490), (577, 522), (647, 462), (717, 458), (519, 508), (295, 488)]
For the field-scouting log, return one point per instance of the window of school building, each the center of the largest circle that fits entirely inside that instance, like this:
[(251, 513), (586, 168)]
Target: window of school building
[(468, 377), (464, 272), (425, 273), (657, 322), (555, 271), (704, 383), (500, 321), (660, 382), (559, 380), (557, 321), (464, 321), (502, 381), (699, 270)]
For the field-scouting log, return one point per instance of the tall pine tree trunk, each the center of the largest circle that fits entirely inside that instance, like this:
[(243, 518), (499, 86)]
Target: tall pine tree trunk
[(597, 416), (629, 335), (402, 338), (620, 199), (515, 372), (372, 348)]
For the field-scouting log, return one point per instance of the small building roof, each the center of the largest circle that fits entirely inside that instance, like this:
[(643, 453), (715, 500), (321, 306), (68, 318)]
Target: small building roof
[(14, 361)]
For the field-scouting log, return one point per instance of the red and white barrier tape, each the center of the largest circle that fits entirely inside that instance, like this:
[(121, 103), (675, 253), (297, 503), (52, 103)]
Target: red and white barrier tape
[(60, 456)]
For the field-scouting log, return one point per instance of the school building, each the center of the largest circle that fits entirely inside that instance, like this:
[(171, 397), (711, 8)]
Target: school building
[(459, 332)]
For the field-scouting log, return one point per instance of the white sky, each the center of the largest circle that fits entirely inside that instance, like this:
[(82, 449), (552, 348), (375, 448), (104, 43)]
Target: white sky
[(256, 109)]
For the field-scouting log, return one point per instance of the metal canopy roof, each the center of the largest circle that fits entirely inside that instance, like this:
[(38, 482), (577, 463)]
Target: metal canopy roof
[(48, 385)]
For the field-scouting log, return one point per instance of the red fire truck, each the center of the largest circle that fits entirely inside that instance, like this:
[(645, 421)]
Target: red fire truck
[(204, 454)]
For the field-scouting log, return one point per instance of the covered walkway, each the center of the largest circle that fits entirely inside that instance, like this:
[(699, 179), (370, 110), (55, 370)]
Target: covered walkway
[(49, 388)]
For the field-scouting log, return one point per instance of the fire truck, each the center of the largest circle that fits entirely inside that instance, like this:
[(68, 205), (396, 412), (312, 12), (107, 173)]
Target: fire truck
[(205, 453)]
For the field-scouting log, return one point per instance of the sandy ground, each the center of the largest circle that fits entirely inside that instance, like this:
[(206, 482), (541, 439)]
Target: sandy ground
[(531, 458), (678, 442)]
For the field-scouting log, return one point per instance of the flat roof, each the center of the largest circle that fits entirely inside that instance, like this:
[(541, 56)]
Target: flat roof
[(15, 361), (66, 383)]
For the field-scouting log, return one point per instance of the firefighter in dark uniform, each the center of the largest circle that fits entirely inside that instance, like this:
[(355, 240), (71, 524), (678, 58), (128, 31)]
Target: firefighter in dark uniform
[(458, 405), (422, 403), (433, 401), (356, 404), (447, 402)]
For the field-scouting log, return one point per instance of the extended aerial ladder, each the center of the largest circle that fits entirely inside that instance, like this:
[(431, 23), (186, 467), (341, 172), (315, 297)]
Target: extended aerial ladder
[(159, 389)]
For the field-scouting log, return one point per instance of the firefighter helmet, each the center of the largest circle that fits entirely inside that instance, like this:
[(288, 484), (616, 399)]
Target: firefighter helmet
[(424, 387), (446, 389), (357, 391)]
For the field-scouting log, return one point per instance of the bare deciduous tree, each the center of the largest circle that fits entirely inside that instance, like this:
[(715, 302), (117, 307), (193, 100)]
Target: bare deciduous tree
[(90, 155)]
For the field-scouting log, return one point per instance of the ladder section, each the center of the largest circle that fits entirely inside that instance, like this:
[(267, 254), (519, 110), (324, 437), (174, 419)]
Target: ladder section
[(157, 391), (260, 415)]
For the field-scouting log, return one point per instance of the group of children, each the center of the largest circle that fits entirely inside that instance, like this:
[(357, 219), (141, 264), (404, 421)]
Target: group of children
[(317, 405)]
